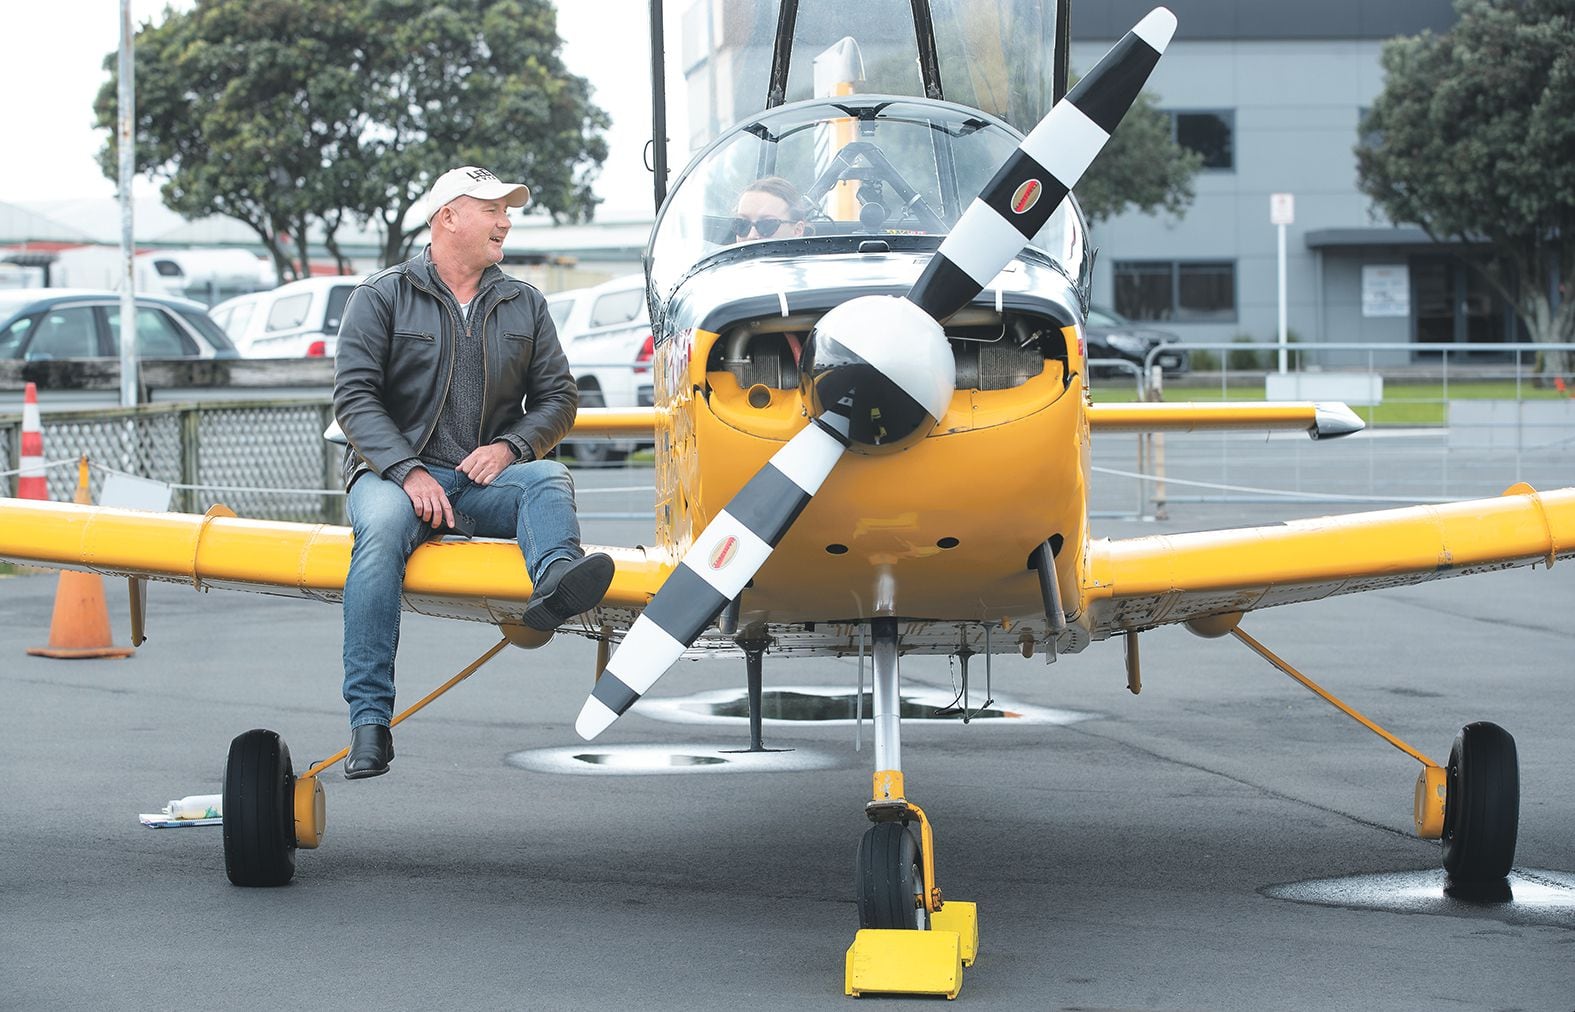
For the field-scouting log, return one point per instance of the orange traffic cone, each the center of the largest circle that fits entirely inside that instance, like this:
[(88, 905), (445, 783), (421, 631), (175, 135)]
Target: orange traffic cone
[(79, 628), (32, 483)]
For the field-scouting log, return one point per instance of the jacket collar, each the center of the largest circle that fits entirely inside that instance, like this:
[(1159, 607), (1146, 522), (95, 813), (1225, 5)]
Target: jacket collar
[(420, 268)]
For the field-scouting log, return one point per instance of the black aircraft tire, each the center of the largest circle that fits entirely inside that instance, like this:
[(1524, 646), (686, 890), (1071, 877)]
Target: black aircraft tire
[(1481, 804), (888, 879), (259, 811)]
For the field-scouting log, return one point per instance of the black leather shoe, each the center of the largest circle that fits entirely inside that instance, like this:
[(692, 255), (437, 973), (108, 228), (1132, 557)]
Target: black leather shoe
[(371, 747), (570, 587)]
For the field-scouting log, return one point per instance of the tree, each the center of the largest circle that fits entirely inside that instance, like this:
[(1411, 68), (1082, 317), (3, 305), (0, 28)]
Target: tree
[(283, 114), (1141, 167), (1471, 140)]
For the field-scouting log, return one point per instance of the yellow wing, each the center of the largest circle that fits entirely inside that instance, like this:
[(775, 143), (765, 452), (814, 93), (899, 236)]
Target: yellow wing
[(614, 423), (1138, 583), (479, 580)]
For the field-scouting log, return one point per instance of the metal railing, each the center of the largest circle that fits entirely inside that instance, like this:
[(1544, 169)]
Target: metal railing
[(264, 459), (1445, 427), (1446, 421)]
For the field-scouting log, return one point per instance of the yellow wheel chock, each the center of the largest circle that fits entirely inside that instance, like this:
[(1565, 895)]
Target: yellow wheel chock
[(901, 961), (882, 961)]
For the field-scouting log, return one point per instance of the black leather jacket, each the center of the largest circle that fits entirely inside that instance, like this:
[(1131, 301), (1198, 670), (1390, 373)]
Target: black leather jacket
[(397, 343)]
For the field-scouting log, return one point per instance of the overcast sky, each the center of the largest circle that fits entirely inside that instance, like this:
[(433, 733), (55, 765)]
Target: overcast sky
[(50, 71)]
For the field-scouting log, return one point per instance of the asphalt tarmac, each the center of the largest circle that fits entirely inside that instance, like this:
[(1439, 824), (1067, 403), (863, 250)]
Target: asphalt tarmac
[(1225, 840)]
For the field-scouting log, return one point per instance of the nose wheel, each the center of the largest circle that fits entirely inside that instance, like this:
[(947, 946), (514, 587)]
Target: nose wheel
[(889, 879)]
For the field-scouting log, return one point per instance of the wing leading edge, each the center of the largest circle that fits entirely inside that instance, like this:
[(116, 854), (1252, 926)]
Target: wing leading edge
[(483, 581), (1139, 583)]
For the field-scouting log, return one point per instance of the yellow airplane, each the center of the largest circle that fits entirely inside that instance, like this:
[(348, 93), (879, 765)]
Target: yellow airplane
[(873, 436)]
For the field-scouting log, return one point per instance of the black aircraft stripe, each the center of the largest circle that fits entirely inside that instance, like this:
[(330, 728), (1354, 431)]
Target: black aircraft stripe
[(614, 694), (944, 287), (685, 605), (768, 504), (1113, 85), (999, 195)]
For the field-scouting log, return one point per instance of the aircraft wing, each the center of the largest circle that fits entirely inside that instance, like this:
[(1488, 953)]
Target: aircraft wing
[(483, 581), (1139, 583), (614, 423), (1319, 420)]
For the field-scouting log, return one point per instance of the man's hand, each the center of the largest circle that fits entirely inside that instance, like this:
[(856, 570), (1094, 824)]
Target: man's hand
[(428, 498), (487, 462)]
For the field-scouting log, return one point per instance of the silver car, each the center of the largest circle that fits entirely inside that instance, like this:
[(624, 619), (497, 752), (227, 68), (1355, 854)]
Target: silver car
[(63, 323)]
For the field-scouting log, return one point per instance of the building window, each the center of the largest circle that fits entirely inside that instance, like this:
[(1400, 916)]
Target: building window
[(1184, 291), (1211, 133)]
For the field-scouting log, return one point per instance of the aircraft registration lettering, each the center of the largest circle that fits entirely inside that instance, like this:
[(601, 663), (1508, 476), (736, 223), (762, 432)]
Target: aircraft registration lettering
[(1026, 196), (724, 553)]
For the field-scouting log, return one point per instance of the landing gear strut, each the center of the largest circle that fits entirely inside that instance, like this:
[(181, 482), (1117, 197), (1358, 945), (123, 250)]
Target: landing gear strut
[(908, 942), (1473, 805)]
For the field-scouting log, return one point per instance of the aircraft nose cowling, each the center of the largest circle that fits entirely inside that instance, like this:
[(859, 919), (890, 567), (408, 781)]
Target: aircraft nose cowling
[(879, 368)]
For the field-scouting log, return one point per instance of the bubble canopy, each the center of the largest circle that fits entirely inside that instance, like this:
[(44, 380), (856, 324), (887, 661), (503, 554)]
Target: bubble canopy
[(851, 169)]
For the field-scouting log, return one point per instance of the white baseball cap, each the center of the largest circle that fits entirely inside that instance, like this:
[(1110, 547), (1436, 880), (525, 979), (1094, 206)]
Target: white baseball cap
[(472, 181)]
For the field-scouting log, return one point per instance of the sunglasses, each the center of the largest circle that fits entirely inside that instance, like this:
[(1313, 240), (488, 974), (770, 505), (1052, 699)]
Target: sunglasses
[(767, 227)]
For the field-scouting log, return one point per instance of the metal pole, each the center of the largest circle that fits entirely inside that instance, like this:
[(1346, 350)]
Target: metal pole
[(128, 250), (1281, 228), (658, 104)]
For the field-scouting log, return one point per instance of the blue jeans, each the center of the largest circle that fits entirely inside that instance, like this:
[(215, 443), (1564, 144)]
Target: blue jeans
[(532, 502)]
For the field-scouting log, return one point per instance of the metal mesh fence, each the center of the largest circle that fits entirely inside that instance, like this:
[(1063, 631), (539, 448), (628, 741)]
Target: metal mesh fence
[(248, 456)]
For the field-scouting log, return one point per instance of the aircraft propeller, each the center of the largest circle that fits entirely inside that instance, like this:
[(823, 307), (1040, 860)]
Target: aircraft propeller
[(877, 372)]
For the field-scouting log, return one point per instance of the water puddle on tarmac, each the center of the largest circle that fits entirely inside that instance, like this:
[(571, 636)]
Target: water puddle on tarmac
[(824, 704), (1529, 896), (658, 759)]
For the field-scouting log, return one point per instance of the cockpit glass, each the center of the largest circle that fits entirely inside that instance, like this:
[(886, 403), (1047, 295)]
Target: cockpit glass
[(859, 166), (994, 55)]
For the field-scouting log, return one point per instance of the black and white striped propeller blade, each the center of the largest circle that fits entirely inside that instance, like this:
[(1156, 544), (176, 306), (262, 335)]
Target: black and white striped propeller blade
[(1031, 184), (726, 556)]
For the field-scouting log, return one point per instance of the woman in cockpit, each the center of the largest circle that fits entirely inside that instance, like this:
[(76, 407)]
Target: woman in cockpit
[(769, 208)]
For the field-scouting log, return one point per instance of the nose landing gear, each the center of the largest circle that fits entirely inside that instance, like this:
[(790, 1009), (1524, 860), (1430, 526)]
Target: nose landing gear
[(909, 940)]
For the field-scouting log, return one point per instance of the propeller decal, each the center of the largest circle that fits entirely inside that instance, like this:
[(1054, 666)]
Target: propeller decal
[(721, 561), (1031, 184)]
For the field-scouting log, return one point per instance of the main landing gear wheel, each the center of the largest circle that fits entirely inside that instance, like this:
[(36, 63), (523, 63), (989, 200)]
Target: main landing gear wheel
[(1481, 804), (259, 811), (888, 879)]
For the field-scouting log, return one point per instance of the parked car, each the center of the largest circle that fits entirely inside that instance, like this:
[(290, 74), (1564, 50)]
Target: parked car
[(1112, 336), (299, 319), (70, 323), (605, 331)]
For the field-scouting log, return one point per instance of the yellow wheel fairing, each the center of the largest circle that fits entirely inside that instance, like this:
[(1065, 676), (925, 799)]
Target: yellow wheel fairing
[(311, 812)]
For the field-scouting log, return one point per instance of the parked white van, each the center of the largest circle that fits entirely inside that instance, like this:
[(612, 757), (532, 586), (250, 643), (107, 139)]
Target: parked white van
[(296, 320), (605, 331)]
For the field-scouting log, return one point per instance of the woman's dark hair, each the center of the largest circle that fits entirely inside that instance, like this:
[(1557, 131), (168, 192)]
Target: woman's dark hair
[(784, 191)]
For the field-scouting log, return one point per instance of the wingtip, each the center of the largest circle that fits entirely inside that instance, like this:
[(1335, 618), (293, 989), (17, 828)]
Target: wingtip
[(1333, 419), (1156, 28)]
